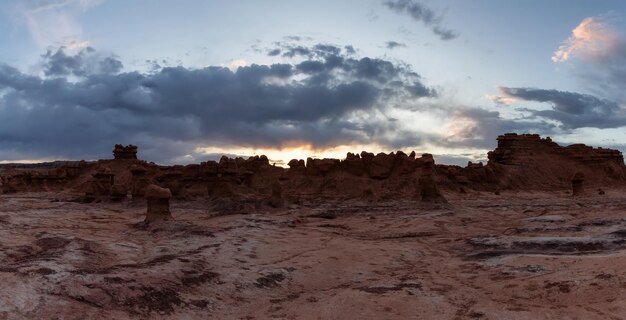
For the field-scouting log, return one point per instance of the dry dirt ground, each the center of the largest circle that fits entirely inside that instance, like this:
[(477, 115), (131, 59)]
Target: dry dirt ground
[(482, 256)]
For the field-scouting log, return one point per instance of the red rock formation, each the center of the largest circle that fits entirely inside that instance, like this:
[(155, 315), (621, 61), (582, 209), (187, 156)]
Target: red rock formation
[(315, 167), (381, 165), (353, 164), (578, 184), (118, 192), (514, 149), (100, 184), (297, 166), (521, 162), (158, 200), (139, 181), (428, 190), (121, 152), (276, 199)]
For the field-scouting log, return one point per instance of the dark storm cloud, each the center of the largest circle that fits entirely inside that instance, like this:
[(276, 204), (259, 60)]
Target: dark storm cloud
[(168, 112), (573, 110), (421, 13), (394, 44)]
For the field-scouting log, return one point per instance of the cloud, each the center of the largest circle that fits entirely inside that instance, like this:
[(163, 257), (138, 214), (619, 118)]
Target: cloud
[(86, 102), (573, 110), (394, 44), (596, 53), (87, 61), (474, 127), (53, 22), (592, 39), (421, 13)]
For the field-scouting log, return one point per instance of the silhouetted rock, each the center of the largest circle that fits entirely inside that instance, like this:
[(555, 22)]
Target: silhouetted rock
[(228, 166), (381, 165), (297, 166), (158, 200), (353, 164), (320, 166), (128, 152)]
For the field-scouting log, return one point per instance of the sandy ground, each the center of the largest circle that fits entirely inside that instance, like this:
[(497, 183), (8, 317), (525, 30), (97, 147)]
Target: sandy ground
[(514, 256)]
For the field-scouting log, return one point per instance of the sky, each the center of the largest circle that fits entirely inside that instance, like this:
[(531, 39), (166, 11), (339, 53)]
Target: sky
[(188, 81)]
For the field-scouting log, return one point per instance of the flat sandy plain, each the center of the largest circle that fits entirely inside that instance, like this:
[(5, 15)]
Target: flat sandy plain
[(482, 256)]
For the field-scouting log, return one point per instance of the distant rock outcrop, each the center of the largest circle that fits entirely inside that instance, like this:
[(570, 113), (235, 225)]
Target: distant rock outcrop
[(520, 162), (516, 149), (128, 152)]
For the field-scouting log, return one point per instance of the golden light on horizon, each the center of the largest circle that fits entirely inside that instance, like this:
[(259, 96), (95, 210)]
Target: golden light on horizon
[(282, 156)]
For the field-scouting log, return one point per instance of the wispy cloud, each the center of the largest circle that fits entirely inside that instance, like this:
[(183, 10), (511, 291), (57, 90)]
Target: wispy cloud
[(596, 54), (394, 44), (421, 13), (591, 39), (54, 22)]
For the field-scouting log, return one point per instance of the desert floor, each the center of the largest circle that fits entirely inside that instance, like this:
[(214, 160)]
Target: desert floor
[(482, 256)]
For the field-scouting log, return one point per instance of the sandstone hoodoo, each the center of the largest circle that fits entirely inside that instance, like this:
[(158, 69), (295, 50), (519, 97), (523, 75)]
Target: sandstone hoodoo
[(426, 182), (128, 152), (577, 184), (158, 200)]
